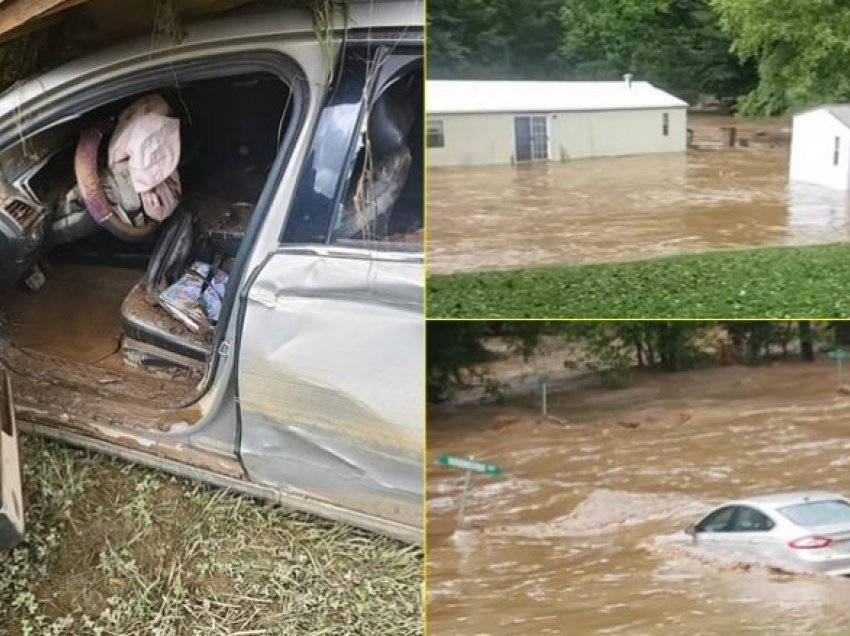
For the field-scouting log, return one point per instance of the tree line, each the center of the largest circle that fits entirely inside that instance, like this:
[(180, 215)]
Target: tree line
[(766, 57), (457, 350)]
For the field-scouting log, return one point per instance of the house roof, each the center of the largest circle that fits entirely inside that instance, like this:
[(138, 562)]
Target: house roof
[(840, 111), (445, 97)]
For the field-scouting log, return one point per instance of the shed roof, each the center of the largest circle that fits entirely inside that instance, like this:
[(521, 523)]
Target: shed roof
[(840, 111), (508, 97)]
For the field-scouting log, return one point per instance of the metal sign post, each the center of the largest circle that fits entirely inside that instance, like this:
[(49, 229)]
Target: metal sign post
[(544, 396), (469, 466), (463, 496)]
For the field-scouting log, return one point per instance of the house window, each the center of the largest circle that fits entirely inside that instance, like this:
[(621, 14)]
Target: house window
[(836, 151), (435, 134), (665, 124)]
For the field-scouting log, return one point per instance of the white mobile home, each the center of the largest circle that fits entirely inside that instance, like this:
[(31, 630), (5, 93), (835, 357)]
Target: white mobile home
[(496, 122), (820, 147)]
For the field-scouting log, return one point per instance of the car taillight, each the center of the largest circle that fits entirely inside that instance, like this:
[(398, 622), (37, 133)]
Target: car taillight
[(809, 543)]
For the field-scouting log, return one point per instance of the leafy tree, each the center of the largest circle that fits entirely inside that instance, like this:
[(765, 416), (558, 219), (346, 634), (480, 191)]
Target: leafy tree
[(801, 48), (807, 341), (496, 39), (676, 44), (457, 349), (452, 349)]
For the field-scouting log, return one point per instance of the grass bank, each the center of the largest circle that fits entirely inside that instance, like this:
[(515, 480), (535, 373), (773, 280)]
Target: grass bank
[(119, 549), (805, 282)]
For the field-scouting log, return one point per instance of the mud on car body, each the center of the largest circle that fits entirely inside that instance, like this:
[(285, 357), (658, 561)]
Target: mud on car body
[(265, 331)]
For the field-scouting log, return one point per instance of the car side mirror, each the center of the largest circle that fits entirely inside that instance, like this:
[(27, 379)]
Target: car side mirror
[(691, 531)]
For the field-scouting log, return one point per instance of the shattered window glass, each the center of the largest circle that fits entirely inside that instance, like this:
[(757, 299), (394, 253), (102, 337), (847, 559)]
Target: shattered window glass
[(383, 201)]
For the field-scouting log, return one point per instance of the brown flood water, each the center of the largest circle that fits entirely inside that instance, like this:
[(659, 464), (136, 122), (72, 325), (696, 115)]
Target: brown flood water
[(623, 209), (583, 534)]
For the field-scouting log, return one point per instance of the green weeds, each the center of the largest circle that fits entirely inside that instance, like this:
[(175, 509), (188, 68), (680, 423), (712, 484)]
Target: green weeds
[(119, 549), (807, 282)]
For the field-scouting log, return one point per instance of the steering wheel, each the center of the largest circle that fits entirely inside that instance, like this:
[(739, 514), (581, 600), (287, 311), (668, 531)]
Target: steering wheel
[(92, 192)]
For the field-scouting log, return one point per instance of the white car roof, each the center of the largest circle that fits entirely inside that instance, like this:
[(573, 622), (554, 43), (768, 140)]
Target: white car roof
[(780, 500), (390, 14)]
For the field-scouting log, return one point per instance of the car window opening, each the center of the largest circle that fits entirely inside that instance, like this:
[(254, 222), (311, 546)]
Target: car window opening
[(384, 199), (121, 229)]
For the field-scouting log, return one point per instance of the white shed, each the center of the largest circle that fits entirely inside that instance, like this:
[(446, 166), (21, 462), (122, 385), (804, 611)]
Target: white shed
[(820, 147), (501, 122)]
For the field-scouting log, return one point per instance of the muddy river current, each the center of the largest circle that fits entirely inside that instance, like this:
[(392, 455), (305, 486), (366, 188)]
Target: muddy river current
[(624, 208), (583, 533)]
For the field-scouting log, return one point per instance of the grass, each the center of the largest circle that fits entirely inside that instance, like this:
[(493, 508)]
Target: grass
[(114, 548), (806, 282)]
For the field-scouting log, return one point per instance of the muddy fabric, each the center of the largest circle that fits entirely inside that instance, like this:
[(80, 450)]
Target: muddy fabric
[(125, 193), (375, 197), (195, 299), (146, 146)]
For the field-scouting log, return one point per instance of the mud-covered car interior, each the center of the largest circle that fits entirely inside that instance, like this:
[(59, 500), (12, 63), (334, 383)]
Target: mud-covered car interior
[(113, 266)]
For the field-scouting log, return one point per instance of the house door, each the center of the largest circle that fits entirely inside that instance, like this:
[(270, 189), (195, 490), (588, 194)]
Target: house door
[(532, 138)]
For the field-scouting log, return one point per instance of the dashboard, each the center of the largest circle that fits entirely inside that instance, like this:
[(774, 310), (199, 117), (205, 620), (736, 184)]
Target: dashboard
[(33, 175)]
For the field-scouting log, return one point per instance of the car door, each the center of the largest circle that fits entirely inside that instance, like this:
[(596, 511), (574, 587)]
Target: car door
[(737, 529), (331, 342), (749, 532), (714, 529), (11, 495)]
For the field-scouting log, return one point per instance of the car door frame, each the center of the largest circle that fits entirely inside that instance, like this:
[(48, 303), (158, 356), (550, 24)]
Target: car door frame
[(12, 525), (265, 438), (211, 434), (743, 541)]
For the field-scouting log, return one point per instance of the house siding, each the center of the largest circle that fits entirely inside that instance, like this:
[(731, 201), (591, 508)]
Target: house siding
[(488, 139)]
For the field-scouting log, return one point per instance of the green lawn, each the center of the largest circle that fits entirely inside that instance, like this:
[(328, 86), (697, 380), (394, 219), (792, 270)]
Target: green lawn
[(116, 549), (807, 282)]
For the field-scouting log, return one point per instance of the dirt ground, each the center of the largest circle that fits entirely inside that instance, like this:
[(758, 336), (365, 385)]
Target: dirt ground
[(119, 549)]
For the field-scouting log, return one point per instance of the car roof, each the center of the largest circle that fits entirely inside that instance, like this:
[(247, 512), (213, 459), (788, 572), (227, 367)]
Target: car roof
[(780, 500), (258, 23)]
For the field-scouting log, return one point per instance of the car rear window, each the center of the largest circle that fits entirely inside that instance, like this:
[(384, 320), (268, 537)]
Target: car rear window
[(818, 513)]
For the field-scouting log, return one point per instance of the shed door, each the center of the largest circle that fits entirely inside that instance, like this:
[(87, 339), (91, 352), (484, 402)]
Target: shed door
[(532, 138)]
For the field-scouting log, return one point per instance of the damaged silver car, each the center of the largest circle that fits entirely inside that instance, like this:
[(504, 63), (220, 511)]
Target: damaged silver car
[(211, 261)]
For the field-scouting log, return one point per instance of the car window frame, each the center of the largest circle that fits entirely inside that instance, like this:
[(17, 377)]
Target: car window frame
[(699, 526), (209, 62), (384, 80), (291, 237), (735, 518)]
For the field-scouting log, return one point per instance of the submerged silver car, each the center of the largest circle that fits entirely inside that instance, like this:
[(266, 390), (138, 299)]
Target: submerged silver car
[(803, 531), (266, 332)]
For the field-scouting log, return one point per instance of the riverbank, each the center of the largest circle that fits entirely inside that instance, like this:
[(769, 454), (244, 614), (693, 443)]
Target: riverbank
[(769, 283)]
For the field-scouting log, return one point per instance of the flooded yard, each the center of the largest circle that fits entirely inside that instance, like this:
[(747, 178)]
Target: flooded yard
[(583, 534), (624, 208)]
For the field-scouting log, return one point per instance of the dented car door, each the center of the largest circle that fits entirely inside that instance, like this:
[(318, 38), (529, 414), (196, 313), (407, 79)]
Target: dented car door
[(11, 495), (331, 360)]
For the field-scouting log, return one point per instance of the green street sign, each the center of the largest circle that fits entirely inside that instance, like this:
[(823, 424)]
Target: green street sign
[(838, 354), (470, 465)]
